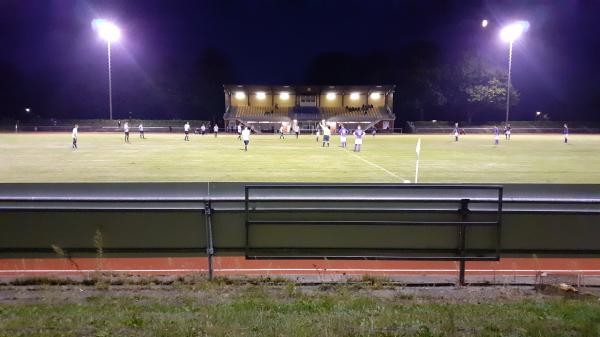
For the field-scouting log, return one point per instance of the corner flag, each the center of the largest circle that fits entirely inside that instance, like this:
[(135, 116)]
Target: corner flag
[(418, 150)]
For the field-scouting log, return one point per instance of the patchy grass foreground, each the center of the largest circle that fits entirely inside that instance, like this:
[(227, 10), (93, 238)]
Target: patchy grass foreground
[(287, 309)]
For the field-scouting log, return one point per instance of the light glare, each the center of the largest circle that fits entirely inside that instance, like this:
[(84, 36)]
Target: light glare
[(261, 95), (354, 96), (484, 23), (284, 95), (240, 95), (512, 32), (330, 96), (107, 30), (375, 95)]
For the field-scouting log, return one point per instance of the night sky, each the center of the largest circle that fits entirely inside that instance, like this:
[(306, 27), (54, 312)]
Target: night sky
[(175, 55)]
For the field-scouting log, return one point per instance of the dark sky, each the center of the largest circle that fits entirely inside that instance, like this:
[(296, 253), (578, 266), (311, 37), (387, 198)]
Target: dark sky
[(53, 61)]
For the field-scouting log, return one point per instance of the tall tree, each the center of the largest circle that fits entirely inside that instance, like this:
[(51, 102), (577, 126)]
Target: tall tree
[(419, 81), (479, 89)]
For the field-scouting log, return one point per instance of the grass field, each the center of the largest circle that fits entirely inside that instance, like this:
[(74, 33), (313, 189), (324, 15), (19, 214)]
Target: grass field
[(214, 309), (102, 157)]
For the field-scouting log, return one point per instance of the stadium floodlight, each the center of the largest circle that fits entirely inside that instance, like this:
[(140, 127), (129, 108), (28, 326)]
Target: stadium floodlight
[(354, 96), (375, 95), (261, 95), (537, 113), (484, 23), (240, 95), (509, 34), (284, 95), (513, 31), (27, 109), (330, 96), (109, 32)]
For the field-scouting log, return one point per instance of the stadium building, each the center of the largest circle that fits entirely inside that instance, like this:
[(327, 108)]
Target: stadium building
[(266, 108)]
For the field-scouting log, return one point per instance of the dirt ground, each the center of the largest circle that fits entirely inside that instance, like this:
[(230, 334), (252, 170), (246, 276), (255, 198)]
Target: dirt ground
[(211, 293)]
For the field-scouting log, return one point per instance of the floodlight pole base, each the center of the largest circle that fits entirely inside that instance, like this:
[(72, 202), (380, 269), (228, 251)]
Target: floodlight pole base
[(210, 251), (463, 212)]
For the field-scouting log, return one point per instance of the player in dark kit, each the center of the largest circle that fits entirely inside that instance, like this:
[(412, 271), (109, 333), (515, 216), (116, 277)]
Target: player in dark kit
[(343, 134), (455, 132), (496, 135), (358, 136)]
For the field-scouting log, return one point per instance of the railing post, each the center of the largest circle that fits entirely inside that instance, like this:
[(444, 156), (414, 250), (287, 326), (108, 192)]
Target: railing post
[(462, 235), (209, 238)]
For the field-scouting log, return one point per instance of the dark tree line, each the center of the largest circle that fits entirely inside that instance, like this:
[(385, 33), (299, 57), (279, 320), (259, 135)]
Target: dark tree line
[(428, 86)]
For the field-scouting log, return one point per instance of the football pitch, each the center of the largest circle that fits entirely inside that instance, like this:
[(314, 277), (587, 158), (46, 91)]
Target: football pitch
[(104, 157)]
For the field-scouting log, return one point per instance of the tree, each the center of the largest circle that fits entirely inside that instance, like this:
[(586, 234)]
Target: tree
[(481, 89), (420, 79)]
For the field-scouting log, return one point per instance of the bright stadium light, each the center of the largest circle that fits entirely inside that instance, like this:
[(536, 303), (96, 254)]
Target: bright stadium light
[(537, 113), (513, 31), (261, 95), (284, 95), (109, 32), (240, 95), (354, 96), (330, 96), (509, 34), (375, 95), (27, 109), (484, 23)]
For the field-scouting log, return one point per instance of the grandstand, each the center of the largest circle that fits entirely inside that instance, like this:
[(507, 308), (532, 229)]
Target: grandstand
[(265, 108)]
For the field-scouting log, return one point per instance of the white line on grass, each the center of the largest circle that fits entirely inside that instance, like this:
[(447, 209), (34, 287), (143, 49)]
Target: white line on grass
[(375, 165)]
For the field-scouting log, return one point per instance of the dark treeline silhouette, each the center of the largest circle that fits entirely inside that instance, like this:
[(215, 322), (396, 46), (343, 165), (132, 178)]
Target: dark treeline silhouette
[(429, 85)]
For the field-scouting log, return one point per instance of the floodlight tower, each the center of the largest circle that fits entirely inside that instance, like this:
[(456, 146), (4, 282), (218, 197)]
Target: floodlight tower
[(509, 34), (109, 32)]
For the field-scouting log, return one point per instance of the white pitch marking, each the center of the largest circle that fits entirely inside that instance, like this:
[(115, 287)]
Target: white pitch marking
[(379, 167)]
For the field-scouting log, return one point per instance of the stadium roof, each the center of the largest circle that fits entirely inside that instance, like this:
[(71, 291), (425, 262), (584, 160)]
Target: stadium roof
[(309, 89)]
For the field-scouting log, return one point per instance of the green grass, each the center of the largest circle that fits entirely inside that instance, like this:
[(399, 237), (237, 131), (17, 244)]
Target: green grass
[(47, 157), (217, 310)]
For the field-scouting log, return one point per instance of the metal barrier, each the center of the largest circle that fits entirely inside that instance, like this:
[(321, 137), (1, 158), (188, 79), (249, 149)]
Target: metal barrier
[(297, 221), (253, 203)]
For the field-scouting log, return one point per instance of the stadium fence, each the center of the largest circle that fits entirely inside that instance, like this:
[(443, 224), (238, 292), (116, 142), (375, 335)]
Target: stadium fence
[(301, 221)]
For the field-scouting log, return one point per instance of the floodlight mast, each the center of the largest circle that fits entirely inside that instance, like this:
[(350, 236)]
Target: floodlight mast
[(109, 32), (110, 108), (509, 34)]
